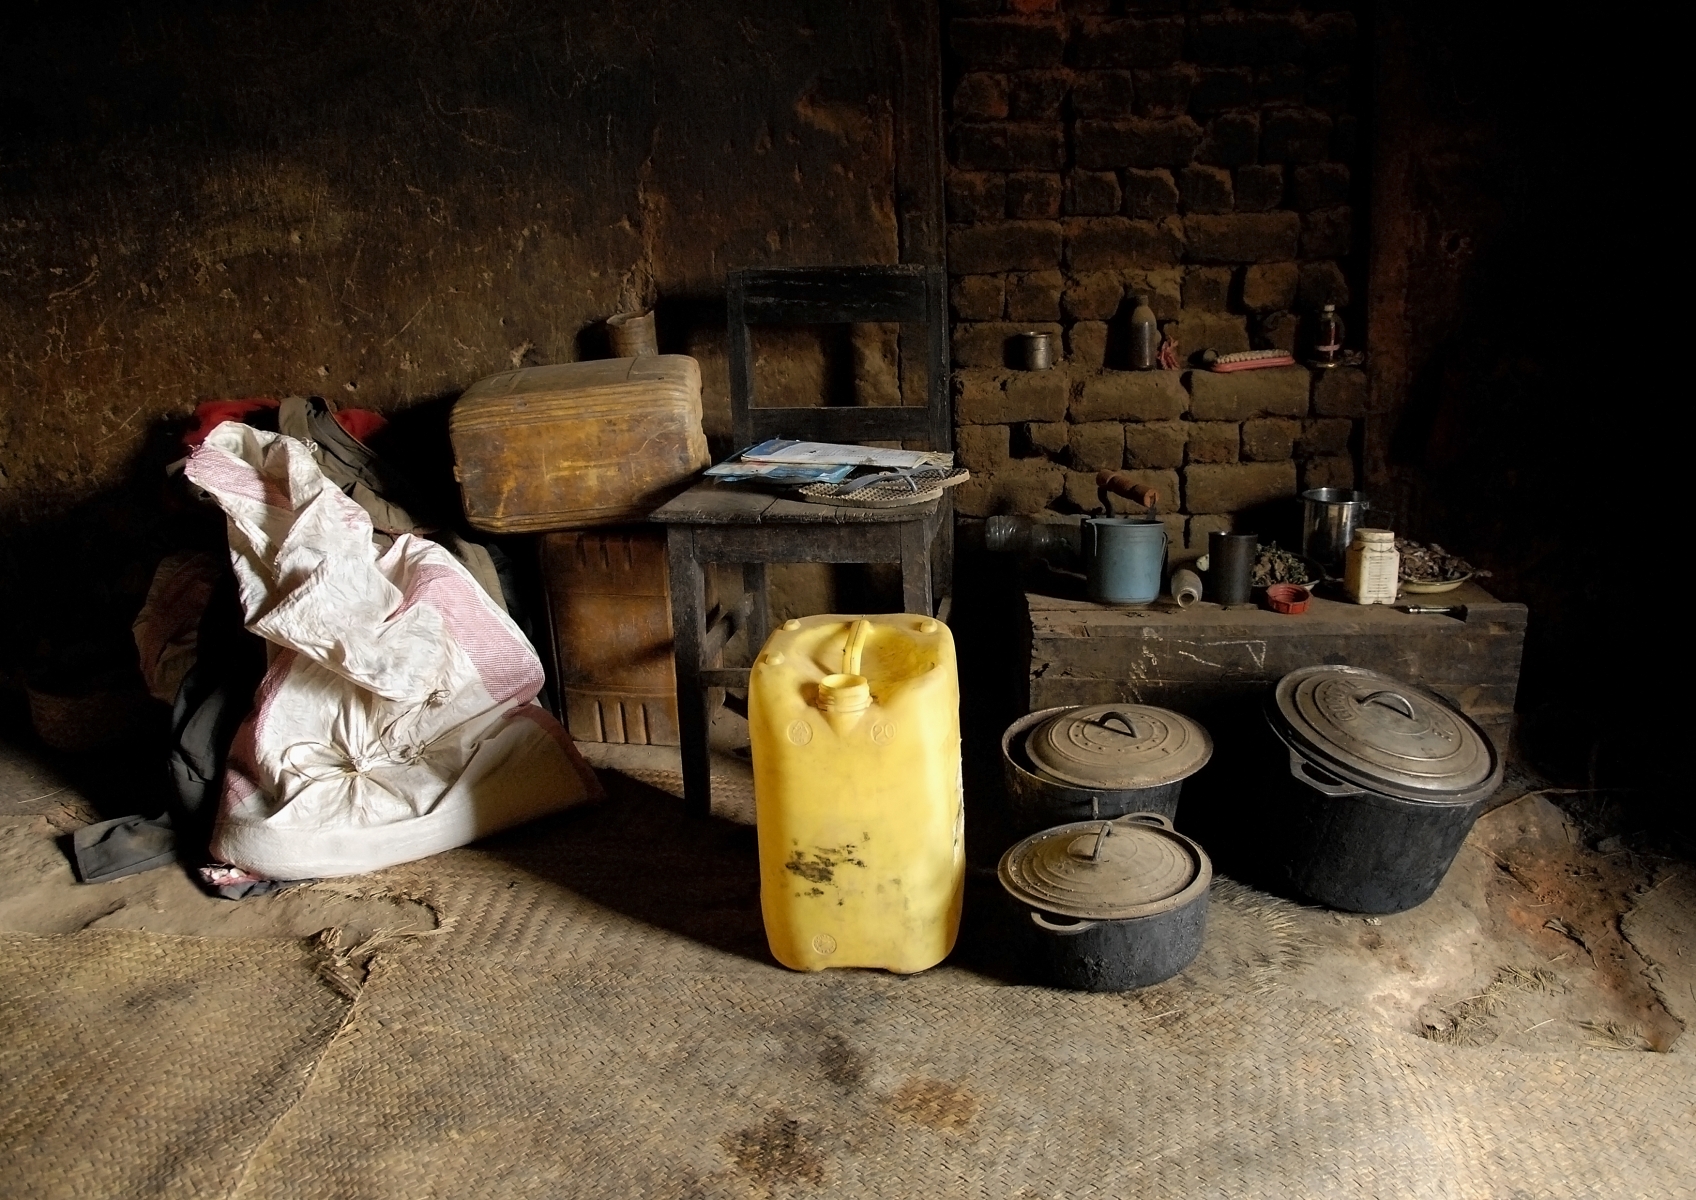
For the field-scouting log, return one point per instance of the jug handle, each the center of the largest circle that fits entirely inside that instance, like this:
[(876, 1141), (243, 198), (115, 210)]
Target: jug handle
[(855, 647), (1121, 483)]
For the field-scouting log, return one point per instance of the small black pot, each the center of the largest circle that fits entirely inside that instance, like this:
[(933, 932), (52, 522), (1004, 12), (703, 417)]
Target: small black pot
[(1363, 851), (1117, 956), (1153, 941), (1035, 802)]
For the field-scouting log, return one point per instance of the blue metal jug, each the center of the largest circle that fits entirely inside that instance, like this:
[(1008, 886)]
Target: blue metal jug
[(1124, 558)]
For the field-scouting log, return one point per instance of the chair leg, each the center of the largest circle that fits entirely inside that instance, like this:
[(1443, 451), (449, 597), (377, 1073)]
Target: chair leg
[(915, 568), (942, 553), (688, 625), (759, 610)]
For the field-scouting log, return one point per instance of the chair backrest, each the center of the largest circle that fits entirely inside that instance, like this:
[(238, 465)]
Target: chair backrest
[(911, 295)]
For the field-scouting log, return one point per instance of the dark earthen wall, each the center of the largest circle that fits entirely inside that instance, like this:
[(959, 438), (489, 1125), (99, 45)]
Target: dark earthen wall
[(1202, 155), (1521, 406), (382, 202)]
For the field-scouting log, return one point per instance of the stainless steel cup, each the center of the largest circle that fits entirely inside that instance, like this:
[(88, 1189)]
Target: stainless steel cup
[(1328, 520), (1038, 350)]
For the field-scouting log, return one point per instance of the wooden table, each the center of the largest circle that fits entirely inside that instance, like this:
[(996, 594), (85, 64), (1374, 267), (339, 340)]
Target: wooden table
[(730, 523), (1202, 658)]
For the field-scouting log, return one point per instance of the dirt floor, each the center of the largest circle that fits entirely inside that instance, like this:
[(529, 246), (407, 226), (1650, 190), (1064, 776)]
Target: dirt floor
[(585, 1007)]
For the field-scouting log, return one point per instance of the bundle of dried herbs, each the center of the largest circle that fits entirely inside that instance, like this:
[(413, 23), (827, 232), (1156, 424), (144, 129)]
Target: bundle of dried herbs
[(1432, 564), (1274, 564)]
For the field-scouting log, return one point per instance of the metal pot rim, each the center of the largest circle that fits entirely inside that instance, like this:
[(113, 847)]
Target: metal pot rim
[(1368, 782), (1015, 754), (1196, 889)]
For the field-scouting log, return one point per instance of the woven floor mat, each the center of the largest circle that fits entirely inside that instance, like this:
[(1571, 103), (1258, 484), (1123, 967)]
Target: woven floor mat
[(607, 885), (137, 1065), (461, 1079), (599, 1017)]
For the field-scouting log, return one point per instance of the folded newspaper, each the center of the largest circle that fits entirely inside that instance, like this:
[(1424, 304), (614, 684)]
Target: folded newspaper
[(782, 460)]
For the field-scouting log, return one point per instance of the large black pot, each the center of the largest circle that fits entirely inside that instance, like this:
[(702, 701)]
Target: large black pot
[(1364, 851), (1110, 905), (1385, 780), (1037, 799)]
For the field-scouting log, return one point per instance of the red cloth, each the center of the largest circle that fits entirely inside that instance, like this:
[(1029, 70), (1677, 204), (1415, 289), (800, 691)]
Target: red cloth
[(361, 424), (209, 414)]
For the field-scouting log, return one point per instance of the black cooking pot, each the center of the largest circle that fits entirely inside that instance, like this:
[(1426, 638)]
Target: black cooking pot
[(1099, 761), (1385, 780), (1110, 905)]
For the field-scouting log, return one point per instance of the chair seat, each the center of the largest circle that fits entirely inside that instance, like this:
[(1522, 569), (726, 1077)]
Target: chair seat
[(713, 503)]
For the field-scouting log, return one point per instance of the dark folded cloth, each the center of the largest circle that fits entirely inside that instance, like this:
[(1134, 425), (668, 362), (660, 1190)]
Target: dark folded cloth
[(123, 846)]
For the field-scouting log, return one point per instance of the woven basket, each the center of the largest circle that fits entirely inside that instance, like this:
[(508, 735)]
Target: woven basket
[(86, 721)]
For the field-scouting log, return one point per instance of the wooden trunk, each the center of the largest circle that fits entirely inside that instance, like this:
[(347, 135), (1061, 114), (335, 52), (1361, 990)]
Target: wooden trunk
[(610, 611), (1207, 661), (578, 445)]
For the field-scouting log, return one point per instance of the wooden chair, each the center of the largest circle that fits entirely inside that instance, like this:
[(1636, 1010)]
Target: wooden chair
[(729, 523)]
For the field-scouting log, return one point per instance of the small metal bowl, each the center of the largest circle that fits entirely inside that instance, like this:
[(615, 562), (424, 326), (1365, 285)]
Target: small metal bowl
[(1428, 587)]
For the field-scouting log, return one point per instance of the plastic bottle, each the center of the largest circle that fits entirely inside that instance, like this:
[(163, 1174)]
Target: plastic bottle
[(1328, 338), (1056, 540), (1371, 571), (1145, 337)]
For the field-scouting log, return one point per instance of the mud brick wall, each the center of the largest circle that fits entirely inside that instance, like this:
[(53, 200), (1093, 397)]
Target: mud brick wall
[(1202, 155)]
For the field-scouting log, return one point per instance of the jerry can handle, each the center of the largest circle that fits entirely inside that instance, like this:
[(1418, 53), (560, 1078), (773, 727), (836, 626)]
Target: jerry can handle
[(856, 646)]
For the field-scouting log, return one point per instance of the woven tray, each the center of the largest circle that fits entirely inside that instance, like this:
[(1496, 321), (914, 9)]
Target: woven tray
[(927, 486)]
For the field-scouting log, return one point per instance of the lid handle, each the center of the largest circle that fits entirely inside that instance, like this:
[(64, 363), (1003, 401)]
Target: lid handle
[(1101, 840), (1389, 699), (1124, 719), (1042, 922)]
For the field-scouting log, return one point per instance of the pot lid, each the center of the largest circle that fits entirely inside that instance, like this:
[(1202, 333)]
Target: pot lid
[(1385, 734), (1136, 866), (1119, 746)]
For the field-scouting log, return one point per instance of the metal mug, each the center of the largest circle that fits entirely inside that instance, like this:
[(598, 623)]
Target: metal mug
[(1124, 558), (1038, 350), (1328, 520)]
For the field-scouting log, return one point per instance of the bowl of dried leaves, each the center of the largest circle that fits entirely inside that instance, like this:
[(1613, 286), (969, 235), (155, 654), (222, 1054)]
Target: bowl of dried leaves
[(1273, 564), (1429, 569)]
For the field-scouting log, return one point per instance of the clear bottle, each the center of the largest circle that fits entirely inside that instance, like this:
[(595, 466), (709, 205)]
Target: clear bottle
[(1372, 567), (1328, 338), (1145, 337)]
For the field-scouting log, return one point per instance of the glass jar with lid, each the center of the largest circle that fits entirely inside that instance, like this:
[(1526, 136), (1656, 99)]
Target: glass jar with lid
[(1371, 572)]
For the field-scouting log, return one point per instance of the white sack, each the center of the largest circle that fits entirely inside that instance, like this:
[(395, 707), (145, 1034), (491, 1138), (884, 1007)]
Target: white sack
[(395, 720)]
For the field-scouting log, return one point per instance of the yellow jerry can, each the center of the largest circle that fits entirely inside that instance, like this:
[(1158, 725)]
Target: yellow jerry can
[(855, 724)]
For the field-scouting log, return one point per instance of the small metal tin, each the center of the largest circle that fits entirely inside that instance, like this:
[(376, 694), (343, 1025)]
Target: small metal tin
[(1038, 350)]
